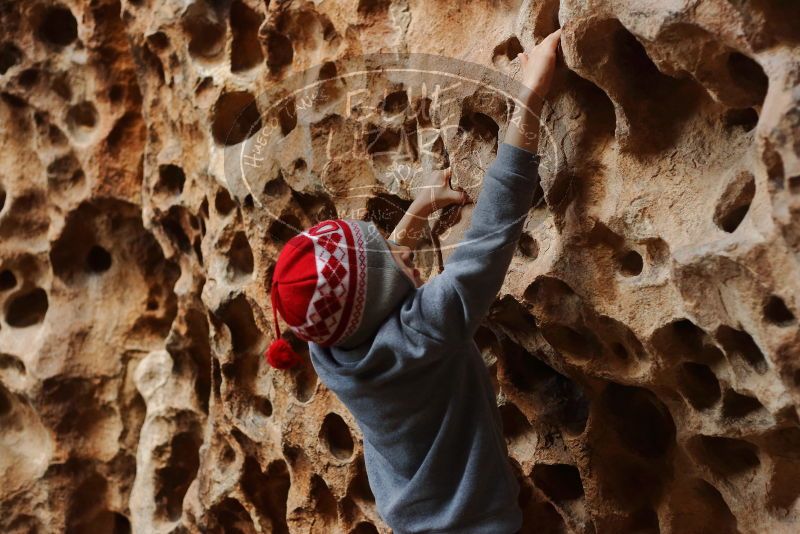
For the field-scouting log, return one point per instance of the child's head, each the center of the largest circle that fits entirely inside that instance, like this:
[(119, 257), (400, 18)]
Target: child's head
[(335, 283)]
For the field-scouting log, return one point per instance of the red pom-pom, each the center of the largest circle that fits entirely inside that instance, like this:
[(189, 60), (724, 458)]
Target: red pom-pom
[(281, 356)]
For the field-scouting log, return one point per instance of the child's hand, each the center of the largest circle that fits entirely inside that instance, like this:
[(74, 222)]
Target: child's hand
[(538, 65), (436, 192)]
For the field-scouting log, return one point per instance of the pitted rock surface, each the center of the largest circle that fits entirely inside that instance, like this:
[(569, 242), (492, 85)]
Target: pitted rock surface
[(645, 346)]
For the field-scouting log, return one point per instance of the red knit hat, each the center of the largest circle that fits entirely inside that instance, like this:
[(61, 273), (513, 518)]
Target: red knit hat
[(319, 287)]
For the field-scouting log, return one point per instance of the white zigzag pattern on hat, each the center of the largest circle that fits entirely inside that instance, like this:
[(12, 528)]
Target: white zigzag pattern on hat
[(318, 328)]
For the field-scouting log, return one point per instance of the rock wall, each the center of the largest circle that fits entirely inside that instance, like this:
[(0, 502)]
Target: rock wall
[(645, 346)]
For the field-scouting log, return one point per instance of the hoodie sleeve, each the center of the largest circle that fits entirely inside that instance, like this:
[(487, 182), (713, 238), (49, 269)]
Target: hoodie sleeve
[(449, 307)]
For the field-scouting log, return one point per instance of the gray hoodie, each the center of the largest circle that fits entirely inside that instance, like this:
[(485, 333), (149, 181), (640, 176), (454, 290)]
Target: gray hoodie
[(434, 449)]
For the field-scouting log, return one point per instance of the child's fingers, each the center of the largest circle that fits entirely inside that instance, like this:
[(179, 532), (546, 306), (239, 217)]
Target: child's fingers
[(553, 39)]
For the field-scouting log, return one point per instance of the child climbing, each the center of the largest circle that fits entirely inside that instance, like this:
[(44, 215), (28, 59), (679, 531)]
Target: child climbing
[(400, 354)]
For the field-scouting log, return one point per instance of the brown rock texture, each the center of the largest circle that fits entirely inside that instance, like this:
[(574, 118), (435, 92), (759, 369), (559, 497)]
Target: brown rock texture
[(645, 346)]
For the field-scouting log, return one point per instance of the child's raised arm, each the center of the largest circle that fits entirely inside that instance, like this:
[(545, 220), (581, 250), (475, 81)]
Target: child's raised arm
[(450, 307)]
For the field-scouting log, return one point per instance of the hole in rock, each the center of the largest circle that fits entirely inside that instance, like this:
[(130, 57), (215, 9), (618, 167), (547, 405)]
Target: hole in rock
[(194, 352), (285, 228), (394, 103), (330, 89), (528, 246), (642, 422), (527, 372), (2, 198), (241, 255), (512, 314), (223, 202), (480, 126), (29, 78), (235, 117), (245, 49), (303, 374), (619, 350), (740, 344), (268, 491), (173, 480), (287, 117), (7, 361), (277, 187), (568, 340), (100, 521), (631, 263), (744, 118), (336, 435), (98, 259), (205, 85), (682, 339), (386, 210), (230, 516), (279, 52), (560, 401), (327, 71), (508, 49), (749, 76), (735, 202), (560, 482), (238, 316), (227, 456), (735, 405), (170, 179), (364, 528), (369, 7), (515, 424), (783, 488), (546, 289), (57, 26), (776, 312), (174, 224), (13, 100), (7, 280), (81, 116), (727, 457), (699, 384), (116, 93), (10, 55), (784, 448), (263, 406), (794, 185), (216, 373), (601, 120), (206, 34), (5, 402), (487, 342), (27, 309), (656, 104), (158, 40), (702, 505), (359, 487), (197, 245), (325, 502), (382, 140), (120, 524)]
